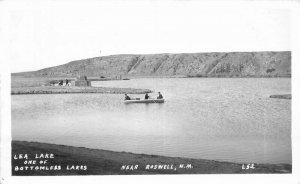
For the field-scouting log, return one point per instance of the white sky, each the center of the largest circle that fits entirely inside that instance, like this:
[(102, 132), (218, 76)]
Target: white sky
[(49, 33)]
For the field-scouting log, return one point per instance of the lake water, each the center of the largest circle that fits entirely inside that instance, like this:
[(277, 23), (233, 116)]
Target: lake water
[(227, 119)]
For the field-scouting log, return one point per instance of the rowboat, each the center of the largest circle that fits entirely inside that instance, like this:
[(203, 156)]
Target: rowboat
[(145, 101)]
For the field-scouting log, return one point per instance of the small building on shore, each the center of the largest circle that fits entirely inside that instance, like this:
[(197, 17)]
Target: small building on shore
[(82, 81)]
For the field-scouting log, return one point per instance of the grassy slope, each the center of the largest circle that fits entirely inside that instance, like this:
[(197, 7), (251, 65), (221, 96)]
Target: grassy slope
[(102, 162), (40, 85)]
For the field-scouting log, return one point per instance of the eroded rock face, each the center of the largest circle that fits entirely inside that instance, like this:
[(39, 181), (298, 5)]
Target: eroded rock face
[(233, 64)]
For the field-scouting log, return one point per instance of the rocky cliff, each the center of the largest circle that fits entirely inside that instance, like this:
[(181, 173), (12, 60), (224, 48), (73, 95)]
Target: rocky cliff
[(214, 64)]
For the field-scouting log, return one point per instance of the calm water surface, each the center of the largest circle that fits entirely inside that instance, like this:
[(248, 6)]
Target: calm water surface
[(209, 118)]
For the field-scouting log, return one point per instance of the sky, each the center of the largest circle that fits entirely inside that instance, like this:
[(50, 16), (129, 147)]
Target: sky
[(49, 33)]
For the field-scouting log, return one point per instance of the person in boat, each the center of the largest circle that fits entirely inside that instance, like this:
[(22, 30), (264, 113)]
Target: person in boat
[(127, 97), (160, 96), (146, 96)]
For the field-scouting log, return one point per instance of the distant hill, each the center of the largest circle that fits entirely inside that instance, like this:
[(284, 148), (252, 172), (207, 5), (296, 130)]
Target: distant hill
[(214, 64)]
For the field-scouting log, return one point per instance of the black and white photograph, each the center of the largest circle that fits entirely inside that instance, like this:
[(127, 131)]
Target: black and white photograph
[(149, 88)]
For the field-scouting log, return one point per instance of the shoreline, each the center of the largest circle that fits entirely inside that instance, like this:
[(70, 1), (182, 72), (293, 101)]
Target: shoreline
[(21, 85), (73, 89), (108, 78), (104, 162), (284, 96)]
